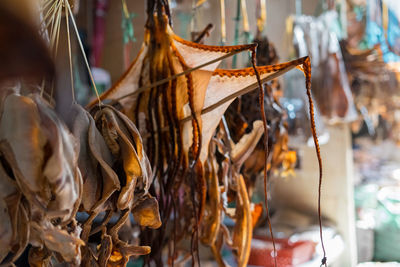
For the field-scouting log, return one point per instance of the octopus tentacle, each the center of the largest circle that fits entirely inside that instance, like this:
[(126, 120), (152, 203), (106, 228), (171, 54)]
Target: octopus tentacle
[(306, 68), (266, 148)]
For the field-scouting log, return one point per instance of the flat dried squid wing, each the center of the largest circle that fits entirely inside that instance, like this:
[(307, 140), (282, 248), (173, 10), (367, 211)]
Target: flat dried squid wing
[(127, 84), (23, 139), (118, 140), (95, 160), (191, 91), (65, 243), (14, 228), (61, 168), (137, 142), (210, 226), (246, 145), (232, 83)]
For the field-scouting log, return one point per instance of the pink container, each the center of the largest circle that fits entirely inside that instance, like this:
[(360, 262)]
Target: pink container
[(289, 254)]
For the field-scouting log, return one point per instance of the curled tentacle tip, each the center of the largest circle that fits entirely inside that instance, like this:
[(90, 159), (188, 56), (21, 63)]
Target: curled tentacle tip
[(323, 261)]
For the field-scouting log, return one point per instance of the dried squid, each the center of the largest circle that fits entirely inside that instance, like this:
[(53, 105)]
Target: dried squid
[(116, 179), (176, 96), (40, 156)]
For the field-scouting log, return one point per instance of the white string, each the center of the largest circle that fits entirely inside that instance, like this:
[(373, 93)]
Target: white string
[(70, 53), (83, 52)]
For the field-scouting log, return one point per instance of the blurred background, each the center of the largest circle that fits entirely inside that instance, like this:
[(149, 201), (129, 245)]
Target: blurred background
[(354, 47)]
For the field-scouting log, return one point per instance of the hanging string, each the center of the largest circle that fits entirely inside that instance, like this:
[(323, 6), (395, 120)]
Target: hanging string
[(55, 39), (266, 150), (70, 54), (84, 54)]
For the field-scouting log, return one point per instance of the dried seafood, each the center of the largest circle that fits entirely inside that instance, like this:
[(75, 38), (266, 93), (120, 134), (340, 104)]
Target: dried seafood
[(315, 37), (375, 88), (244, 111), (116, 178), (176, 96), (39, 156)]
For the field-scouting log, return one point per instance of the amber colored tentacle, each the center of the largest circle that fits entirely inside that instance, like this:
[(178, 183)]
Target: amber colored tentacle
[(158, 124), (195, 122), (202, 190), (266, 150), (150, 107), (214, 48), (170, 153), (173, 164), (175, 117), (261, 70), (174, 179), (176, 127), (307, 73), (87, 226), (194, 246), (196, 154)]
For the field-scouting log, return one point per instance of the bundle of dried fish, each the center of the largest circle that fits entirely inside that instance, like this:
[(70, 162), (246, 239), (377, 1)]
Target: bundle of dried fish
[(40, 156)]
